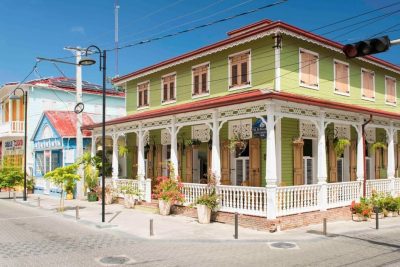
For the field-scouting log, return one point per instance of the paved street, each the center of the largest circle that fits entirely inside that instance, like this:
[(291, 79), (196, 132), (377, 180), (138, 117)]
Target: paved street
[(38, 237)]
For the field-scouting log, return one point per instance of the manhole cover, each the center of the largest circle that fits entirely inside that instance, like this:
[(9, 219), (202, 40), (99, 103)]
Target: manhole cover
[(115, 260), (283, 245)]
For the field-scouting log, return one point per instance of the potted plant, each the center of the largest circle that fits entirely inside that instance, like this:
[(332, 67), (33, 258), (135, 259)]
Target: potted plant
[(207, 203), (122, 150), (65, 178), (30, 185), (377, 202), (91, 175), (340, 145), (397, 199), (237, 144), (131, 196), (390, 206), (378, 145), (360, 211), (168, 192), (109, 194)]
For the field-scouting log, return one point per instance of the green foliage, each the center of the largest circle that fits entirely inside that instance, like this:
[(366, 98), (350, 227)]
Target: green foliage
[(130, 190), (377, 145), (210, 200), (390, 204), (377, 200), (64, 177), (122, 150), (340, 145), (169, 190), (30, 183), (11, 177), (91, 176)]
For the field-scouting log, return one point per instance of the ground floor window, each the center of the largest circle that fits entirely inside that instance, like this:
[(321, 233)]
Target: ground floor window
[(13, 160), (309, 161)]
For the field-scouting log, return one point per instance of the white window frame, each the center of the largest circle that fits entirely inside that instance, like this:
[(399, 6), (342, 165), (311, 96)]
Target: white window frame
[(208, 64), (362, 85), (162, 89), (300, 67), (334, 77), (230, 72), (148, 95), (395, 91)]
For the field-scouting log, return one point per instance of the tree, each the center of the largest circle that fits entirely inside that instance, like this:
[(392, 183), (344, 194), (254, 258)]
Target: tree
[(65, 178), (11, 177)]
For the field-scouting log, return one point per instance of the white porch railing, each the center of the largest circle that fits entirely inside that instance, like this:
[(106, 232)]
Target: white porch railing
[(381, 186), (144, 186), (12, 127), (342, 194), (397, 187), (245, 200), (296, 199)]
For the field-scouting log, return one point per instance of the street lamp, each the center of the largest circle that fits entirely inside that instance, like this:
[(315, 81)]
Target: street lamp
[(15, 97), (102, 63)]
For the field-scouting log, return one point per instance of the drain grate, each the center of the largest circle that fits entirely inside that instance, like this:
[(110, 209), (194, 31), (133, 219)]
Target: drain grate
[(283, 245), (115, 260)]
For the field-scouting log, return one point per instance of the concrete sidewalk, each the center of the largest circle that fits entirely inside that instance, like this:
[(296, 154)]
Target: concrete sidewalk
[(175, 227)]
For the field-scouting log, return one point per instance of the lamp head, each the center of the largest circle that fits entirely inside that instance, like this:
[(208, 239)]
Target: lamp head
[(14, 97), (87, 61)]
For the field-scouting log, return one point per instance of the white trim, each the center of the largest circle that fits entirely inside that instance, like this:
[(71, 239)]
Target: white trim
[(208, 64), (248, 70), (148, 95), (300, 67), (334, 77), (362, 85), (162, 89), (395, 91)]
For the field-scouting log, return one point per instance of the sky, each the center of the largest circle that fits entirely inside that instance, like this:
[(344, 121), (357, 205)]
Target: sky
[(42, 28)]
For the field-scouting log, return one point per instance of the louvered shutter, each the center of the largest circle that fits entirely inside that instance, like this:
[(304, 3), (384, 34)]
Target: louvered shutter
[(254, 155), (134, 161), (298, 175), (353, 161), (225, 163), (159, 159), (378, 163), (313, 70), (150, 162), (332, 162)]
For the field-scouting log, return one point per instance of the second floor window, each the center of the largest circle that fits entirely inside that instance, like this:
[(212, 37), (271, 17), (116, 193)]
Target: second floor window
[(308, 69), (200, 80), (342, 85), (239, 70), (390, 85), (168, 88), (368, 84), (143, 94)]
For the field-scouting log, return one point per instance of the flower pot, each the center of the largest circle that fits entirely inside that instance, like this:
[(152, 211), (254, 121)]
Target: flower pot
[(130, 201), (164, 207), (395, 214), (92, 196), (109, 199), (203, 213), (389, 214), (380, 215), (69, 196)]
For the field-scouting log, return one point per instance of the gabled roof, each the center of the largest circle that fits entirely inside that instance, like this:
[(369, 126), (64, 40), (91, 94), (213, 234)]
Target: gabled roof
[(64, 122), (69, 84), (246, 32), (243, 97)]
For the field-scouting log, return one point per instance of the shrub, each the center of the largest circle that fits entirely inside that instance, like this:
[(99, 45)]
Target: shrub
[(168, 190)]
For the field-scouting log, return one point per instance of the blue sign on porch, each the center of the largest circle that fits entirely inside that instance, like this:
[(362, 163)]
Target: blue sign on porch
[(259, 128)]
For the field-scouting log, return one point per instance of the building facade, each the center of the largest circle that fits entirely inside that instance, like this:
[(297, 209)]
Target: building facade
[(264, 108), (57, 94)]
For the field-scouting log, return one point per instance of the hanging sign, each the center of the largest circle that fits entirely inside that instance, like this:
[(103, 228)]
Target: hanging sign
[(14, 145), (259, 128)]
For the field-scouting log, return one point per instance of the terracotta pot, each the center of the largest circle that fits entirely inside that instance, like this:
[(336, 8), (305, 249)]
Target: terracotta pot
[(359, 217), (109, 199), (69, 196), (92, 196), (203, 213), (130, 201), (164, 207)]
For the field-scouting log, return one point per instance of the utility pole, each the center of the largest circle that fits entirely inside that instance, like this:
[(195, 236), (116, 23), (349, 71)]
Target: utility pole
[(116, 8), (79, 140)]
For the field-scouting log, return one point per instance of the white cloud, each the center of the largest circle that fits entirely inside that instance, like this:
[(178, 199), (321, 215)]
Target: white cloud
[(78, 29)]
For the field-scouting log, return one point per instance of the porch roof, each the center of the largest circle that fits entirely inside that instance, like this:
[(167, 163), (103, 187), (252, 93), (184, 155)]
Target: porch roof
[(243, 97)]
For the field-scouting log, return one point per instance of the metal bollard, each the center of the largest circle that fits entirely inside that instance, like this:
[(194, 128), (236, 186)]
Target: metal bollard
[(38, 201), (14, 196), (376, 217), (77, 212), (236, 225), (325, 227), (151, 227)]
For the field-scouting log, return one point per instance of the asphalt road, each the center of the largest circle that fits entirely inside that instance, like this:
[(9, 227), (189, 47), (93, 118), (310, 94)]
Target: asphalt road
[(34, 237)]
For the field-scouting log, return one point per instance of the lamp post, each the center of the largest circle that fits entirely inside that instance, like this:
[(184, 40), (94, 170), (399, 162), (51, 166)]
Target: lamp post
[(15, 97), (102, 63)]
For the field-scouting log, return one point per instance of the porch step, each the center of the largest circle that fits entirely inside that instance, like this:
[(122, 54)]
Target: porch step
[(148, 209)]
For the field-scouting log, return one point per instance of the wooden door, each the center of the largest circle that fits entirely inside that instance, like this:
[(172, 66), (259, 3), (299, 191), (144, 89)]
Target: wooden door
[(398, 160), (189, 164), (254, 168), (225, 163), (134, 162), (179, 167), (150, 162), (353, 161), (209, 162), (298, 168), (332, 162), (159, 159), (378, 163)]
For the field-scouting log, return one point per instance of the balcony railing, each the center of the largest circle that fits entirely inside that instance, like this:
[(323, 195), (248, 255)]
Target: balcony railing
[(12, 127)]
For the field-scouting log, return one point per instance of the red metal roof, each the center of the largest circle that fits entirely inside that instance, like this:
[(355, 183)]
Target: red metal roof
[(244, 32), (65, 122), (243, 97), (69, 84)]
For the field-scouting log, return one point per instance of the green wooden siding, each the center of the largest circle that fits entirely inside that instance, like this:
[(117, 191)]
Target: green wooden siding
[(290, 130)]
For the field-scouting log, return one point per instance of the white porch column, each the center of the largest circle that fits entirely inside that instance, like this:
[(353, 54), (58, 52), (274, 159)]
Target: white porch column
[(321, 168), (93, 148), (391, 163), (360, 153), (114, 156), (141, 172), (271, 177), (174, 149), (215, 151)]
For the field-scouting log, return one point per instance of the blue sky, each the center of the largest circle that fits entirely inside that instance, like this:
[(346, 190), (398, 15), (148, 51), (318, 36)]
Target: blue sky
[(31, 28)]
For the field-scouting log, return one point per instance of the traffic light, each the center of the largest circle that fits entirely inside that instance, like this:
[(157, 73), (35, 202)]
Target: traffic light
[(367, 47)]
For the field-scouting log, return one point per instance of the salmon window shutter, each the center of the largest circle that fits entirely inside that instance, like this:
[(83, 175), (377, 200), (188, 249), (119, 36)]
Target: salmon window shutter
[(390, 90), (341, 78), (7, 112), (255, 160), (353, 161), (196, 85), (378, 163), (134, 162), (305, 68), (189, 164), (21, 110), (165, 92), (150, 161), (225, 163), (298, 173), (313, 70), (368, 84)]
